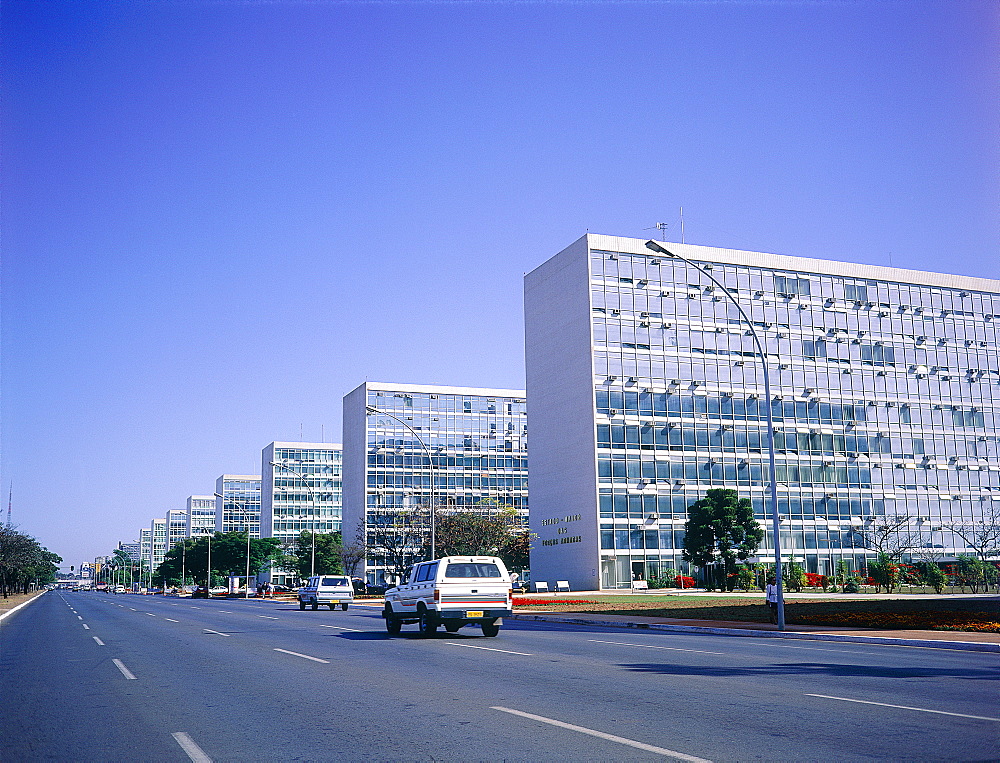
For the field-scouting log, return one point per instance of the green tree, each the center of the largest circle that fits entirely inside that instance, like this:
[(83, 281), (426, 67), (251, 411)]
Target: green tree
[(972, 572), (329, 554), (885, 572), (229, 557), (721, 528), (794, 577), (516, 551), (24, 563), (932, 575)]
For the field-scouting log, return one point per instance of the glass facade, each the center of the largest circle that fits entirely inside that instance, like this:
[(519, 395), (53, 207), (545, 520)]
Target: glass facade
[(453, 448), (882, 387), (237, 503), (200, 515), (158, 541), (176, 527)]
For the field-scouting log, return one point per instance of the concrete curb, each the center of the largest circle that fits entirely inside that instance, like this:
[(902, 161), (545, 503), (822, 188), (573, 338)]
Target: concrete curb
[(9, 612), (965, 646)]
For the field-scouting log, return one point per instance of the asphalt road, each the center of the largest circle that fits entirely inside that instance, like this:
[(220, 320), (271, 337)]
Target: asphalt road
[(87, 676)]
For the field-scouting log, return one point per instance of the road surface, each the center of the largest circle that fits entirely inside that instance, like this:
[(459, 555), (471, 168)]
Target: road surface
[(88, 676)]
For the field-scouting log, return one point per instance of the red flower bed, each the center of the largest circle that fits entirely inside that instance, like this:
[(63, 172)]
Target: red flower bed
[(813, 580), (521, 601), (683, 581)]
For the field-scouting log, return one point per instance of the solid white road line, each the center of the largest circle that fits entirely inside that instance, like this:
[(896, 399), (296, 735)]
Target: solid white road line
[(209, 630), (905, 707), (99, 642), (488, 648), (12, 610), (85, 626), (303, 656), (125, 671), (342, 628), (602, 735), (171, 621), (193, 751), (647, 646)]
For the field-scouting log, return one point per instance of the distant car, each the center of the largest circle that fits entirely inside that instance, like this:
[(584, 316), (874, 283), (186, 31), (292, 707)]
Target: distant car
[(118, 589), (200, 593), (326, 589), (280, 588)]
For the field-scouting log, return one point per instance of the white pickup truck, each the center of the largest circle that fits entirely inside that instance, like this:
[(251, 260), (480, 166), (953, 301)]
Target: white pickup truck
[(452, 591)]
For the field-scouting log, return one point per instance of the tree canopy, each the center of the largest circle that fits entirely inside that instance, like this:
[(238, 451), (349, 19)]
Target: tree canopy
[(24, 562), (329, 554), (721, 526), (229, 556)]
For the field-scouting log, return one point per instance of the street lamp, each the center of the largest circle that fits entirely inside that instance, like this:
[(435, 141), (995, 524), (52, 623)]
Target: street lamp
[(772, 471), (246, 517), (312, 505), (369, 410)]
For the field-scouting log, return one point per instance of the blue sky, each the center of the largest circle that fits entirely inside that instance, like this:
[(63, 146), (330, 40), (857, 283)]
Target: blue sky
[(220, 217)]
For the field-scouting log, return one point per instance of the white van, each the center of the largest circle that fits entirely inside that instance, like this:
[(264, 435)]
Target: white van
[(326, 589), (452, 591)]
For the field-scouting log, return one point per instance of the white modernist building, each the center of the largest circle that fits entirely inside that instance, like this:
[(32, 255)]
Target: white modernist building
[(408, 447), (300, 491), (237, 503), (158, 542), (645, 389), (200, 515), (177, 523)]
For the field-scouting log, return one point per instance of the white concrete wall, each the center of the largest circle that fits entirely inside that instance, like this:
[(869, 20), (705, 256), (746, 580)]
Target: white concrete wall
[(561, 410), (355, 436)]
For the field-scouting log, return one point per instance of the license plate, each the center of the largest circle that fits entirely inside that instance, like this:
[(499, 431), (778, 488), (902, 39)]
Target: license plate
[(474, 613)]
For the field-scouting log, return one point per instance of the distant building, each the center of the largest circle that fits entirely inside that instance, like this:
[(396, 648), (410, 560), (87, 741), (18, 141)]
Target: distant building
[(237, 503), (645, 390), (145, 547), (131, 550), (408, 447), (301, 490), (200, 515), (177, 522), (158, 542)]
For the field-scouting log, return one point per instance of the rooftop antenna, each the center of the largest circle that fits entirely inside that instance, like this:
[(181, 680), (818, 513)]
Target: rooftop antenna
[(10, 499), (662, 227), (682, 225)]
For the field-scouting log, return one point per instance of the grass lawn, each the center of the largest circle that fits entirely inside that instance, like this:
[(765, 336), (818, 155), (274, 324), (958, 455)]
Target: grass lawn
[(877, 613)]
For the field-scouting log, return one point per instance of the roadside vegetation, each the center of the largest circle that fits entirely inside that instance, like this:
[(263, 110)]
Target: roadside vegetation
[(24, 563), (939, 614)]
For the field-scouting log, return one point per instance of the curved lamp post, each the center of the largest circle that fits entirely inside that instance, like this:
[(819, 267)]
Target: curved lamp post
[(772, 472), (246, 515), (312, 504), (369, 410)]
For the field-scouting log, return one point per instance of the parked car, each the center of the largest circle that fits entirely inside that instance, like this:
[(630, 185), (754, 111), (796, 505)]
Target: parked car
[(452, 591), (326, 589), (200, 593)]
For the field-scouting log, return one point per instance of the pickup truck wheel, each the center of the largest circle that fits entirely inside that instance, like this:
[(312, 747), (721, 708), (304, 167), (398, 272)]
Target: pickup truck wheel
[(428, 625), (342, 606), (392, 624), (302, 606), (315, 606), (490, 628)]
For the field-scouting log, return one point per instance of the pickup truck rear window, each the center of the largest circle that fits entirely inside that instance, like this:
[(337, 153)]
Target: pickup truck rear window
[(336, 581), (472, 570)]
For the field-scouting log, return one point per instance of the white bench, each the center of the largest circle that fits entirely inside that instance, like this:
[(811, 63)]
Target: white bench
[(640, 585), (541, 587), (562, 585)]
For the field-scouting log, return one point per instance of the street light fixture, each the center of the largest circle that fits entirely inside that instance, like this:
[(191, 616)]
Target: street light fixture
[(312, 505), (246, 515), (371, 409), (772, 471)]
